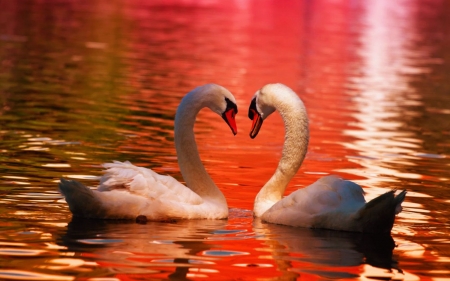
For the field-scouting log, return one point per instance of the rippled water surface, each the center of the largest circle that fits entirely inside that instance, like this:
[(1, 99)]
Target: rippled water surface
[(87, 82)]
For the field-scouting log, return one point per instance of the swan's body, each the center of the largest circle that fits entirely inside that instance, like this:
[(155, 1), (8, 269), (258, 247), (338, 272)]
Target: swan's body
[(127, 191), (330, 202)]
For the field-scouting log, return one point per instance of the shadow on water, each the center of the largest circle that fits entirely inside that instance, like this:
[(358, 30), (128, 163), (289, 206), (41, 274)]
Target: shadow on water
[(324, 252), (153, 248)]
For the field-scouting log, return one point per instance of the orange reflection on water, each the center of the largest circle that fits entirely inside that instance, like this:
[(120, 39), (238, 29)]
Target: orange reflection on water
[(340, 65)]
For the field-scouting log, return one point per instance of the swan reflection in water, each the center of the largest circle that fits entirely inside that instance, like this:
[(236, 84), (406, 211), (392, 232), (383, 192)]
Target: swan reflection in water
[(148, 250), (327, 253), (169, 250)]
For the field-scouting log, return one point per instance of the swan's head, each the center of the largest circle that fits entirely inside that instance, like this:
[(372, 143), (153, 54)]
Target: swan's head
[(262, 105), (229, 115), (273, 97), (222, 102)]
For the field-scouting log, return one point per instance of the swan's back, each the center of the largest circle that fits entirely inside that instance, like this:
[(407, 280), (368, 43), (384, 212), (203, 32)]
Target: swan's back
[(333, 203), (328, 199)]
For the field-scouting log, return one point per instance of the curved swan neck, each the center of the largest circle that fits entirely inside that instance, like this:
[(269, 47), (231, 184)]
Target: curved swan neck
[(296, 140), (189, 161)]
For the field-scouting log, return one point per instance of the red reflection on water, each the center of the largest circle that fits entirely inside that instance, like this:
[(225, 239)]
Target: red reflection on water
[(312, 46), (309, 46), (294, 44)]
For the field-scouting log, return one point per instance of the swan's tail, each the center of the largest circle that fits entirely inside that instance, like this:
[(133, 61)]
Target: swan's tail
[(80, 198), (378, 215)]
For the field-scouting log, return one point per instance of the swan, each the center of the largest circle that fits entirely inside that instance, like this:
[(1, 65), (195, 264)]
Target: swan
[(330, 202), (126, 191)]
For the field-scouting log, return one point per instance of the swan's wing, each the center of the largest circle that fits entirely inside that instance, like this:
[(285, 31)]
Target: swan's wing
[(327, 195), (120, 203), (127, 191), (144, 182), (348, 191)]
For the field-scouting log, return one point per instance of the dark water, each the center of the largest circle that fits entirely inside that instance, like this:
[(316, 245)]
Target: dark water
[(87, 82)]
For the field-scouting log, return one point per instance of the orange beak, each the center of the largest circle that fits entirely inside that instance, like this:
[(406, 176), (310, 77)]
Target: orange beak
[(254, 115), (256, 124), (229, 117)]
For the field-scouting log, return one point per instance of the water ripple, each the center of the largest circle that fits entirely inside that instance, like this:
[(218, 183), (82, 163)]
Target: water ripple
[(29, 275), (223, 253), (22, 252), (99, 241)]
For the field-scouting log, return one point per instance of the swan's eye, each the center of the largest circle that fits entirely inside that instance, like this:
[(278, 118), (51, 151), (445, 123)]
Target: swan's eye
[(252, 109), (231, 105)]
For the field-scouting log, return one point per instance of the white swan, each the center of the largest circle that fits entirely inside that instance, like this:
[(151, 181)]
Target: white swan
[(330, 202), (127, 191)]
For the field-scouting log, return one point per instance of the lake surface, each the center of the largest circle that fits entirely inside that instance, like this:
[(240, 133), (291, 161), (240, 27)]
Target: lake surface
[(88, 82)]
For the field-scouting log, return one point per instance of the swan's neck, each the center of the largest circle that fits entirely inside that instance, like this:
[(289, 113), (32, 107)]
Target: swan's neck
[(191, 167), (294, 151)]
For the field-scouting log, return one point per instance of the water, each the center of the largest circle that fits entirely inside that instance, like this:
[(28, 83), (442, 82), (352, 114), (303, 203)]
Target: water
[(83, 83)]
